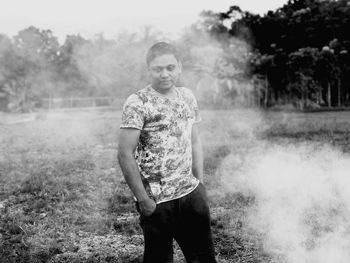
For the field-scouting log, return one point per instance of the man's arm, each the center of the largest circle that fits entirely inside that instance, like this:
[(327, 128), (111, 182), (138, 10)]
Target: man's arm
[(128, 140), (197, 154)]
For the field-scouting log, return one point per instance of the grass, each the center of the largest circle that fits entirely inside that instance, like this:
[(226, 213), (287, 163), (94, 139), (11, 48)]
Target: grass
[(63, 198)]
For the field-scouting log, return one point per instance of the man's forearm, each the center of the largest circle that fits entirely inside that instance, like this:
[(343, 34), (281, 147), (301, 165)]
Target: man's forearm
[(197, 160), (132, 175)]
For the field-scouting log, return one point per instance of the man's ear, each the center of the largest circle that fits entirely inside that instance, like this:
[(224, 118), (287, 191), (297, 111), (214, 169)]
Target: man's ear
[(180, 66)]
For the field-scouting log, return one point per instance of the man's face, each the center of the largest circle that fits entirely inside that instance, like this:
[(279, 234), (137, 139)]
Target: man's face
[(165, 71)]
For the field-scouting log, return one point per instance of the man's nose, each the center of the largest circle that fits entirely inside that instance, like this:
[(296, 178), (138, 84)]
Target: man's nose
[(164, 73)]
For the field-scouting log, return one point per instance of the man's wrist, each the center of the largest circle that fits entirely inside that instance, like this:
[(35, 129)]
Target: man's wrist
[(199, 177), (144, 200), (141, 201)]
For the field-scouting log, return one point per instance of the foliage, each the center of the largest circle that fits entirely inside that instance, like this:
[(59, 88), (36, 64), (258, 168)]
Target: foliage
[(301, 65), (215, 66), (229, 58), (34, 66), (282, 40)]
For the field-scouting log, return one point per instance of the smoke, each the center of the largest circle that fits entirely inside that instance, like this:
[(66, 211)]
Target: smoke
[(301, 195), (216, 68), (302, 198), (112, 68), (100, 67), (302, 201), (300, 190)]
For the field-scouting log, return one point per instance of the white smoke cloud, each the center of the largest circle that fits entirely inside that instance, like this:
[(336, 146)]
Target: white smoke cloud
[(302, 199), (215, 68)]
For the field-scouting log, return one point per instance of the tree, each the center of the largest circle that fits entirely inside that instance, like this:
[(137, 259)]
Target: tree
[(328, 72), (261, 64), (70, 81), (344, 77), (302, 64), (6, 52), (31, 65), (298, 25)]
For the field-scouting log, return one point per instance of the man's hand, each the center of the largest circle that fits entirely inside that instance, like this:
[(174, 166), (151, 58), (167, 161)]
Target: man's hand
[(147, 206), (197, 154), (128, 140)]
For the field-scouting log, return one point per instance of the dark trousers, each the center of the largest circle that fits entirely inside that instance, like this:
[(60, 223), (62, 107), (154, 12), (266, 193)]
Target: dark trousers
[(186, 220)]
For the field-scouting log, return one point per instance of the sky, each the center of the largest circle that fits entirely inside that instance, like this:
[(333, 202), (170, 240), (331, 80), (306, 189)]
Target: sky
[(91, 17)]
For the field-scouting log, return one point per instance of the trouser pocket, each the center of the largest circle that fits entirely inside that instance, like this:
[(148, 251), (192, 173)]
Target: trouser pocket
[(143, 219)]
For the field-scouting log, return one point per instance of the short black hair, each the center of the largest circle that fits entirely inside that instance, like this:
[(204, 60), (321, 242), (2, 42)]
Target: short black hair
[(161, 48)]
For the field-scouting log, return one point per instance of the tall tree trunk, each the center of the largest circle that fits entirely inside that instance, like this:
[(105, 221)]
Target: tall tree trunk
[(304, 93), (301, 104), (339, 93), (306, 101), (329, 95), (266, 99), (319, 95)]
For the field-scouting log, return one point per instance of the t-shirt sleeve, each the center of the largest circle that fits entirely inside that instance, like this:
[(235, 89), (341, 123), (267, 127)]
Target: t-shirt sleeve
[(133, 113)]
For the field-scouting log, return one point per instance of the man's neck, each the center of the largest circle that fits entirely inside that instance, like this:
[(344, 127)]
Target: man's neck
[(168, 93)]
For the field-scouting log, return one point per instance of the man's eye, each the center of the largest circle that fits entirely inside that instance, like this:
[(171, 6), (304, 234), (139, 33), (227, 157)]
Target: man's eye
[(157, 69), (171, 68)]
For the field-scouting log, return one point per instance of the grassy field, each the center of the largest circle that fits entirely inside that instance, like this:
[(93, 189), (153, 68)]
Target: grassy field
[(63, 198)]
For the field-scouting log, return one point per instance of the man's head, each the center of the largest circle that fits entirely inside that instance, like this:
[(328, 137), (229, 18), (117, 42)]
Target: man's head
[(164, 66)]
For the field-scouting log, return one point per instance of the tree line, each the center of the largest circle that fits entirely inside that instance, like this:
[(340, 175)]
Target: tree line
[(296, 55), (300, 52), (35, 66)]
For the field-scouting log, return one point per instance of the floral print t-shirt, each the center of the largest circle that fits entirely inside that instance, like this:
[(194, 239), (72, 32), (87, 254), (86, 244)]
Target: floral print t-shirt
[(164, 150)]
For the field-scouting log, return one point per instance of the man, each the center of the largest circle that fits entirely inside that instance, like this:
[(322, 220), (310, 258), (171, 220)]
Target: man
[(160, 154)]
